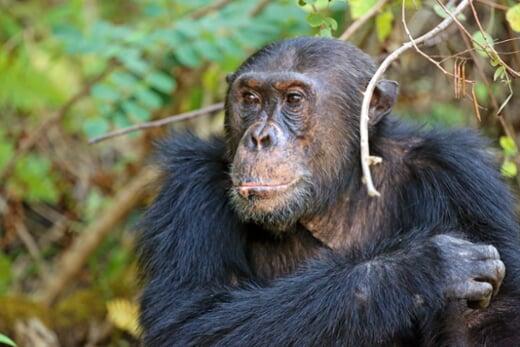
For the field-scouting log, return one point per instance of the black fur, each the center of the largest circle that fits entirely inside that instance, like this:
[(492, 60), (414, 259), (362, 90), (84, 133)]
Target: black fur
[(214, 280)]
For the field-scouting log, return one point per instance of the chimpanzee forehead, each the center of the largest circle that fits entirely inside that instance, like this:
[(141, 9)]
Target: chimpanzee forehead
[(278, 80)]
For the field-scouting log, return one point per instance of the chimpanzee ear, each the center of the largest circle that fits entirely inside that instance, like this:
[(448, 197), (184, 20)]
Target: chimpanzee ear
[(383, 99)]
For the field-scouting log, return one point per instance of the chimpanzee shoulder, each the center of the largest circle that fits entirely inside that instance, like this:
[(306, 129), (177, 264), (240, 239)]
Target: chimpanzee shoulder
[(192, 197), (457, 170)]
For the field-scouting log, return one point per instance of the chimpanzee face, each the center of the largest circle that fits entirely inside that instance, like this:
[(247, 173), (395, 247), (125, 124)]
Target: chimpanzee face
[(272, 127)]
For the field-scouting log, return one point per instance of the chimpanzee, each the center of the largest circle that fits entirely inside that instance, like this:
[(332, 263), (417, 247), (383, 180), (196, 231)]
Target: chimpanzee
[(267, 237)]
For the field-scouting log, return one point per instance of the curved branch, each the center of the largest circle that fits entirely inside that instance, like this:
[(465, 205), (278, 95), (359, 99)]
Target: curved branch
[(366, 160)]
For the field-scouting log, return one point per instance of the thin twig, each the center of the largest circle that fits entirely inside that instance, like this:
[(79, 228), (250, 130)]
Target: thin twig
[(160, 122), (487, 45), (358, 23), (366, 159), (421, 52)]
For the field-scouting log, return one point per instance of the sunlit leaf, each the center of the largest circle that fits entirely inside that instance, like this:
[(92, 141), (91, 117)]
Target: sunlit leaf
[(6, 341), (483, 42), (331, 22), (508, 145), (499, 74), (384, 23), (513, 17), (360, 7), (509, 169), (315, 19), (124, 314)]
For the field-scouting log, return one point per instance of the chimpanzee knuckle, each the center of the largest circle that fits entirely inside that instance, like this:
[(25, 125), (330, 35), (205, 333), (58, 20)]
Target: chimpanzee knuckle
[(488, 252), (500, 269), (493, 269)]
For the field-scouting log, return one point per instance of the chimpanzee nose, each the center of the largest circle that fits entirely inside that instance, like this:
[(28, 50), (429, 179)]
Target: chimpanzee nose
[(261, 136)]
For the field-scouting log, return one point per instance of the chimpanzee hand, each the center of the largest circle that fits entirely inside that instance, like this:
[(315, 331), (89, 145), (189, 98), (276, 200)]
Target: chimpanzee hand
[(474, 272)]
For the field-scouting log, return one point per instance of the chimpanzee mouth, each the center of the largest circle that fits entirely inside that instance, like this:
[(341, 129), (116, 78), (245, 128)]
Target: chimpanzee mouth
[(250, 189)]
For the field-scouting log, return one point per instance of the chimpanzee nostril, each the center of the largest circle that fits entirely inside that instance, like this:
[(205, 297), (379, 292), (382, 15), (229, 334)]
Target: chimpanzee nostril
[(261, 137)]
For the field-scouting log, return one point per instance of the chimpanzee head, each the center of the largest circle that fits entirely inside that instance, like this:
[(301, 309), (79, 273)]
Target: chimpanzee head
[(292, 118)]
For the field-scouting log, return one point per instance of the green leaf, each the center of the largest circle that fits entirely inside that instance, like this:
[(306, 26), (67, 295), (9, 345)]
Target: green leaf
[(513, 17), (121, 120), (207, 50), (500, 73), (325, 32), (359, 7), (104, 92), (384, 23), (187, 55), (161, 81), (6, 273), (34, 177), (508, 145), (483, 43), (95, 126), (509, 169), (6, 152), (135, 111), (315, 19), (482, 92), (133, 62), (331, 22), (148, 98), (6, 341), (125, 80)]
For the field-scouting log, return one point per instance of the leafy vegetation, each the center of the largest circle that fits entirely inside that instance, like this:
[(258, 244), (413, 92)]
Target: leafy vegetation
[(73, 70)]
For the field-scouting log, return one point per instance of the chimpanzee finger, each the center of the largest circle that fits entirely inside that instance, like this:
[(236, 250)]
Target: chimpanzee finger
[(493, 272), (478, 294), (484, 252)]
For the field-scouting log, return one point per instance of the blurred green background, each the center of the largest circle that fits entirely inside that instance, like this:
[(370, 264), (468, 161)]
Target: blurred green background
[(74, 70)]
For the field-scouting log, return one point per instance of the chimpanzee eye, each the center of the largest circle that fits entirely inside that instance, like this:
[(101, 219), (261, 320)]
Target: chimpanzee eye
[(250, 98), (294, 99)]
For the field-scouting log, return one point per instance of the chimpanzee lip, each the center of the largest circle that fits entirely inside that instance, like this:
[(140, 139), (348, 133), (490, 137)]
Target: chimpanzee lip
[(262, 189)]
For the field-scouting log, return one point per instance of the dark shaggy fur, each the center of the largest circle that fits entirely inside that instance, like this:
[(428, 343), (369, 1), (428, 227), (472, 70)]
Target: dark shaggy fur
[(214, 280)]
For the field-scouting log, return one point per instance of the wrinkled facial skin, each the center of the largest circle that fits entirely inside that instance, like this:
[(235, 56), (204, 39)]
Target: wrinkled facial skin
[(271, 124)]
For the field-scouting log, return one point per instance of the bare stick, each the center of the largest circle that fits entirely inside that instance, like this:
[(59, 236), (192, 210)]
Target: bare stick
[(362, 20), (366, 160), (160, 122)]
